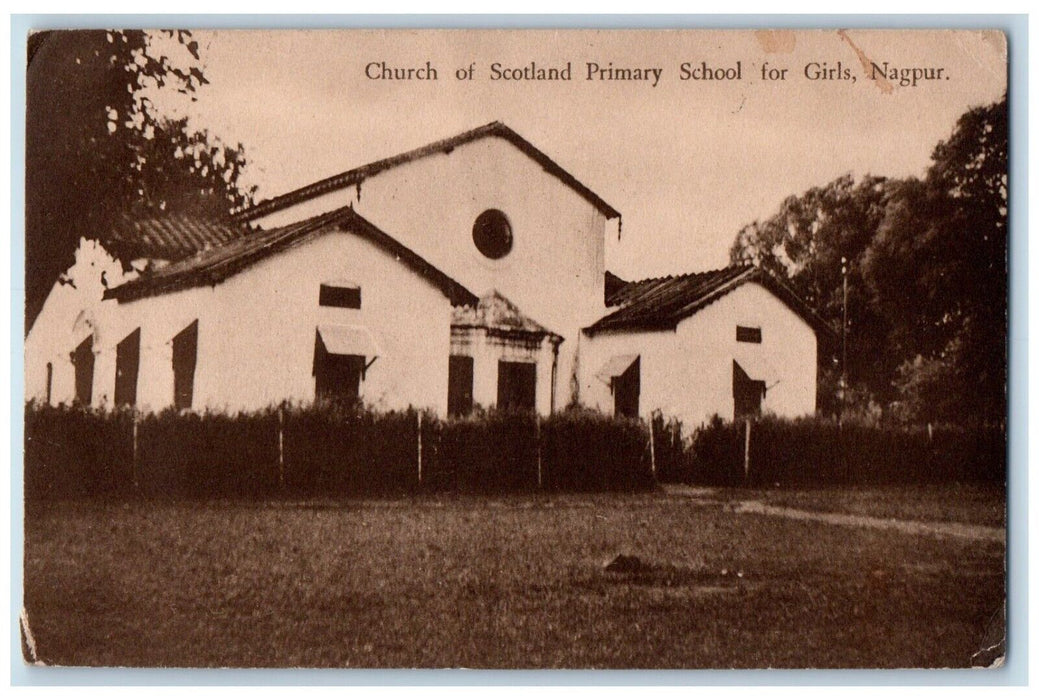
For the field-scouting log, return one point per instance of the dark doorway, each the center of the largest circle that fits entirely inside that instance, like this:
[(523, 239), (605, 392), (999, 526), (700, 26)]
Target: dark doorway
[(185, 356), (516, 385), (127, 361), (626, 389), (339, 378), (336, 377), (746, 393), (83, 359), (459, 385)]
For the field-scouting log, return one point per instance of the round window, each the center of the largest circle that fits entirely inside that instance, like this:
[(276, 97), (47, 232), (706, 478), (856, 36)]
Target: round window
[(492, 234)]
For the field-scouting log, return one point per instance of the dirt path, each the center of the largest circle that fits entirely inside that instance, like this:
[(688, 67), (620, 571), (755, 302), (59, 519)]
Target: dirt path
[(910, 527), (983, 533)]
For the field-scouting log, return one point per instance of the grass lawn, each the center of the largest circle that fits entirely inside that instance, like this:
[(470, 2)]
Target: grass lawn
[(512, 582)]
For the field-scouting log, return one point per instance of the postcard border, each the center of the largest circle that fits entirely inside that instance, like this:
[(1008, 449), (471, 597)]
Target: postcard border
[(1015, 670)]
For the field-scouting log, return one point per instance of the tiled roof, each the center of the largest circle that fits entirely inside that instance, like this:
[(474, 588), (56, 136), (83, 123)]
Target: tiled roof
[(496, 313), (215, 265), (353, 177), (613, 284), (170, 237), (661, 303)]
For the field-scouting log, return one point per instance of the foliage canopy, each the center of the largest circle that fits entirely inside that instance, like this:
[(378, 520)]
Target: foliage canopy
[(97, 148), (926, 273)]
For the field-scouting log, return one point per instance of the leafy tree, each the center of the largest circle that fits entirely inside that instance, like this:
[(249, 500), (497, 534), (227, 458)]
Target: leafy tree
[(804, 244), (938, 269), (927, 275), (97, 148)]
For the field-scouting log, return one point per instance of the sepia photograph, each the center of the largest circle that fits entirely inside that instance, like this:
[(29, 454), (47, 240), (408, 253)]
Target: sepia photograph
[(516, 349)]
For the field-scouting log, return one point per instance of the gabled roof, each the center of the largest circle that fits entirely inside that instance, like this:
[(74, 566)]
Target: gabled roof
[(169, 237), (495, 312), (661, 303), (354, 177), (215, 265)]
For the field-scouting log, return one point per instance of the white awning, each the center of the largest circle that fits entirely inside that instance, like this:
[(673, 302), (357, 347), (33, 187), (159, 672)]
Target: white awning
[(348, 340), (757, 364), (615, 367), (343, 283)]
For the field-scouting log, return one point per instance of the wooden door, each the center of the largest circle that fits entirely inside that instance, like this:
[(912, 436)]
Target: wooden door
[(338, 377), (626, 390), (459, 385), (185, 356), (746, 393), (517, 382), (127, 363), (83, 359)]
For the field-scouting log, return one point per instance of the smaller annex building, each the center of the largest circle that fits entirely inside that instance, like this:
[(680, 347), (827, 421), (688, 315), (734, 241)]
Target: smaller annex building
[(732, 342), (466, 273)]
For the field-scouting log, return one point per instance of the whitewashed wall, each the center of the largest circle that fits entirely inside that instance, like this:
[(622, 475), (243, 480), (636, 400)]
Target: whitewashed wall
[(487, 351), (70, 313), (555, 270), (687, 373), (257, 330)]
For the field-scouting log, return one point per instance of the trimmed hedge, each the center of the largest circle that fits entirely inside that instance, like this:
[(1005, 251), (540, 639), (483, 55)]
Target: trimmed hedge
[(211, 453), (336, 450), (584, 450), (818, 452), (669, 449), (342, 450), (71, 452), (326, 450), (495, 451)]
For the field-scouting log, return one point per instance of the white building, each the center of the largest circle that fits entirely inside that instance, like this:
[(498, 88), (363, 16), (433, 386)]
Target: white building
[(467, 272), (730, 342)]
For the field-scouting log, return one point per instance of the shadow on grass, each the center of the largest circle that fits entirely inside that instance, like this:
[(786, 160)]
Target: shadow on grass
[(697, 580)]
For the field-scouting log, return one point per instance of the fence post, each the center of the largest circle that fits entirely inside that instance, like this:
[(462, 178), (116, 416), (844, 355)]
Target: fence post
[(652, 448), (133, 465), (746, 453), (537, 420), (281, 446), (419, 420)]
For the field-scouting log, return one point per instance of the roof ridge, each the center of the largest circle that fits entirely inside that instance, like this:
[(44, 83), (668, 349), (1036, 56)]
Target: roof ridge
[(360, 173), (665, 304), (687, 275), (209, 267)]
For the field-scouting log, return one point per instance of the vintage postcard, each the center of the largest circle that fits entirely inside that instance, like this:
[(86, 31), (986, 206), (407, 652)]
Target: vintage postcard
[(503, 349)]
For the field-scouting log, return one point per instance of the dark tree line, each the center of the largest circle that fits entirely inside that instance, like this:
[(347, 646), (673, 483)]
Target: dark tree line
[(97, 148), (927, 277)]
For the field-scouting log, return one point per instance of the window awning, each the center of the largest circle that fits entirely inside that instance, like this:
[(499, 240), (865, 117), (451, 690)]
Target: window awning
[(741, 378), (615, 367), (756, 364), (348, 340), (341, 283)]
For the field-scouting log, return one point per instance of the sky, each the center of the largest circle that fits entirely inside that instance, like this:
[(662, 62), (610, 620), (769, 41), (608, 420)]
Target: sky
[(687, 162)]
